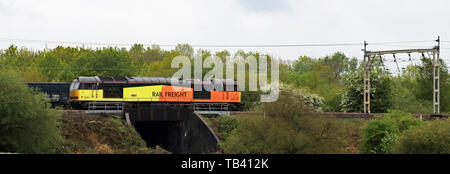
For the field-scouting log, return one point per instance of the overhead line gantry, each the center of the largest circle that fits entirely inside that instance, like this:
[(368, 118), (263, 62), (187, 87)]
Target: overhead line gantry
[(433, 53)]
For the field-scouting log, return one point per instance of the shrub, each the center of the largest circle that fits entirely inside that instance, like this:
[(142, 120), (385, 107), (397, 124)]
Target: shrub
[(304, 135), (227, 125), (223, 125), (387, 142), (27, 124), (379, 134), (292, 103), (431, 138), (289, 125)]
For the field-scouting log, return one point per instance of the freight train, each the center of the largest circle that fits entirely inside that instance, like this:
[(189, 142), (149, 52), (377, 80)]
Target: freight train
[(85, 90)]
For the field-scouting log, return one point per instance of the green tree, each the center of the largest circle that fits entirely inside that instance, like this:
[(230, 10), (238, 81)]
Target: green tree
[(185, 50), (52, 67), (403, 92), (424, 80), (323, 76), (303, 64), (338, 64), (27, 124), (380, 91), (154, 53), (105, 62)]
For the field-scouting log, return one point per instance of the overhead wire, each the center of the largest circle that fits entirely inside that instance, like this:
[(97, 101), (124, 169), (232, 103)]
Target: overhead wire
[(392, 43), (397, 42), (207, 45), (193, 45)]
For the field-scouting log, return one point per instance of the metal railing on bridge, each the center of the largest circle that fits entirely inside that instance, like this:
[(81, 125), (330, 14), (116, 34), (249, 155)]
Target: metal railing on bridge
[(104, 107), (211, 108)]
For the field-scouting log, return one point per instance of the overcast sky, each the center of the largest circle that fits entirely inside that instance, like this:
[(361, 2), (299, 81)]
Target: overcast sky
[(230, 22)]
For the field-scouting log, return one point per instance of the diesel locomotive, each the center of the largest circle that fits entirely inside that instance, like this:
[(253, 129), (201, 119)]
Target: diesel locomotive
[(154, 90)]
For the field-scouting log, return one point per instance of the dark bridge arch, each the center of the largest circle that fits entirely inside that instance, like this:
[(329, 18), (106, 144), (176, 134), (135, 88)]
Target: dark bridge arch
[(173, 126)]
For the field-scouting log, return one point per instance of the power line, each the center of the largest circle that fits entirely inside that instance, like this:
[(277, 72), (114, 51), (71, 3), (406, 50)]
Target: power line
[(407, 46), (207, 45), (212, 45), (397, 42), (60, 42), (199, 45), (282, 45)]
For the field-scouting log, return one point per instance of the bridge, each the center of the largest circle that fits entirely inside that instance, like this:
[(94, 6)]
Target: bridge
[(176, 127)]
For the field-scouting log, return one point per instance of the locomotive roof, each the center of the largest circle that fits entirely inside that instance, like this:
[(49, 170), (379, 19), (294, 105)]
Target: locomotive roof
[(49, 83), (157, 80)]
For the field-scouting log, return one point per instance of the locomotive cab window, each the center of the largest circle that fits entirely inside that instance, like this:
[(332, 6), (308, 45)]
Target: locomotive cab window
[(74, 86), (86, 85)]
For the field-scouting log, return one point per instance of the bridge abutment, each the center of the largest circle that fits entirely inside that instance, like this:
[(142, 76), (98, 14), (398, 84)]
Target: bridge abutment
[(174, 127)]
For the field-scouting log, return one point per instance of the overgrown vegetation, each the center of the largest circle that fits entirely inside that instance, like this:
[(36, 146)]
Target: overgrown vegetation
[(381, 133), (27, 124), (97, 134), (293, 124), (433, 137), (289, 125)]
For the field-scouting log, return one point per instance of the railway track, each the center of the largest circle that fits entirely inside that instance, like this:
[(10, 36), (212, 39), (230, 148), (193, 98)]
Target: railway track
[(343, 115), (352, 115), (338, 115)]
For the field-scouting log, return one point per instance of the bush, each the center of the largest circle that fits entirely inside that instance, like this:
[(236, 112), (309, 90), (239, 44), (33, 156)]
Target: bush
[(431, 138), (227, 125), (289, 125), (275, 135), (380, 134), (223, 125), (27, 124), (388, 141), (291, 103)]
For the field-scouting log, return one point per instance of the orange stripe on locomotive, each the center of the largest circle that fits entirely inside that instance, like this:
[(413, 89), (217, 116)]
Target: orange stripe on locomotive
[(182, 94)]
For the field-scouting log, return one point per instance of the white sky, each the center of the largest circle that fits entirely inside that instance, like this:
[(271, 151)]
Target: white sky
[(230, 22)]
